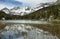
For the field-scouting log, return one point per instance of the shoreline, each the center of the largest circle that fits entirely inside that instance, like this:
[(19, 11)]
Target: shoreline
[(54, 29)]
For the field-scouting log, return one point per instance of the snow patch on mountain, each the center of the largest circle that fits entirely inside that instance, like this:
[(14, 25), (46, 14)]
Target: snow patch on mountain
[(6, 10), (17, 11)]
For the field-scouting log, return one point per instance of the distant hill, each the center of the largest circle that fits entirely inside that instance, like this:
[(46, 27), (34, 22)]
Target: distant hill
[(44, 13)]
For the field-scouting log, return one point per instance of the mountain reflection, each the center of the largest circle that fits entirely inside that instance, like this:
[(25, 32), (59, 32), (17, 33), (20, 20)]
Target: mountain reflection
[(24, 31)]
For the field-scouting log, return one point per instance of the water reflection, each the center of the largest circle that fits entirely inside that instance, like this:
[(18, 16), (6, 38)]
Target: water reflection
[(22, 31)]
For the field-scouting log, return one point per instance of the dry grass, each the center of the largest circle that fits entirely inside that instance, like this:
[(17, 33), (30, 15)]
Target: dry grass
[(2, 25), (54, 29)]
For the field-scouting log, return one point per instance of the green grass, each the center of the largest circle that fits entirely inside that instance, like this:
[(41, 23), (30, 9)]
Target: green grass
[(55, 21)]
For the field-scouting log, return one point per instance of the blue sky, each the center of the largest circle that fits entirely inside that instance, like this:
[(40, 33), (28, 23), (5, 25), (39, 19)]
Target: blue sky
[(22, 3)]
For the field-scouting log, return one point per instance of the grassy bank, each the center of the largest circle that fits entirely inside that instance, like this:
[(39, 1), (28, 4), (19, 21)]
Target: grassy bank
[(2, 25), (55, 21), (54, 29)]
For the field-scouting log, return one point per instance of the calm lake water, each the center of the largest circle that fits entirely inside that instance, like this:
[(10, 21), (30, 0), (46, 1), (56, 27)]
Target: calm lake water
[(24, 31), (26, 21)]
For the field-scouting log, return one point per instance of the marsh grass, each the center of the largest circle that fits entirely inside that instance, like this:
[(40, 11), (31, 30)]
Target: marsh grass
[(54, 29), (2, 25)]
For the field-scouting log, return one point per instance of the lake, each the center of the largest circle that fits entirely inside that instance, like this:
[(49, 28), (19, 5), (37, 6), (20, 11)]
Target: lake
[(20, 29), (26, 21)]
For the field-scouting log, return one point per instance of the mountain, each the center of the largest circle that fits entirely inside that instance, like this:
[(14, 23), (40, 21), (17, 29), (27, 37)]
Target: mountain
[(6, 10), (17, 11), (44, 13), (58, 2), (42, 5), (26, 10)]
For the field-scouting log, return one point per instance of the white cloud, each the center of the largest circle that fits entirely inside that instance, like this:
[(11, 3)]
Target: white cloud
[(4, 5), (35, 2), (32, 3)]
